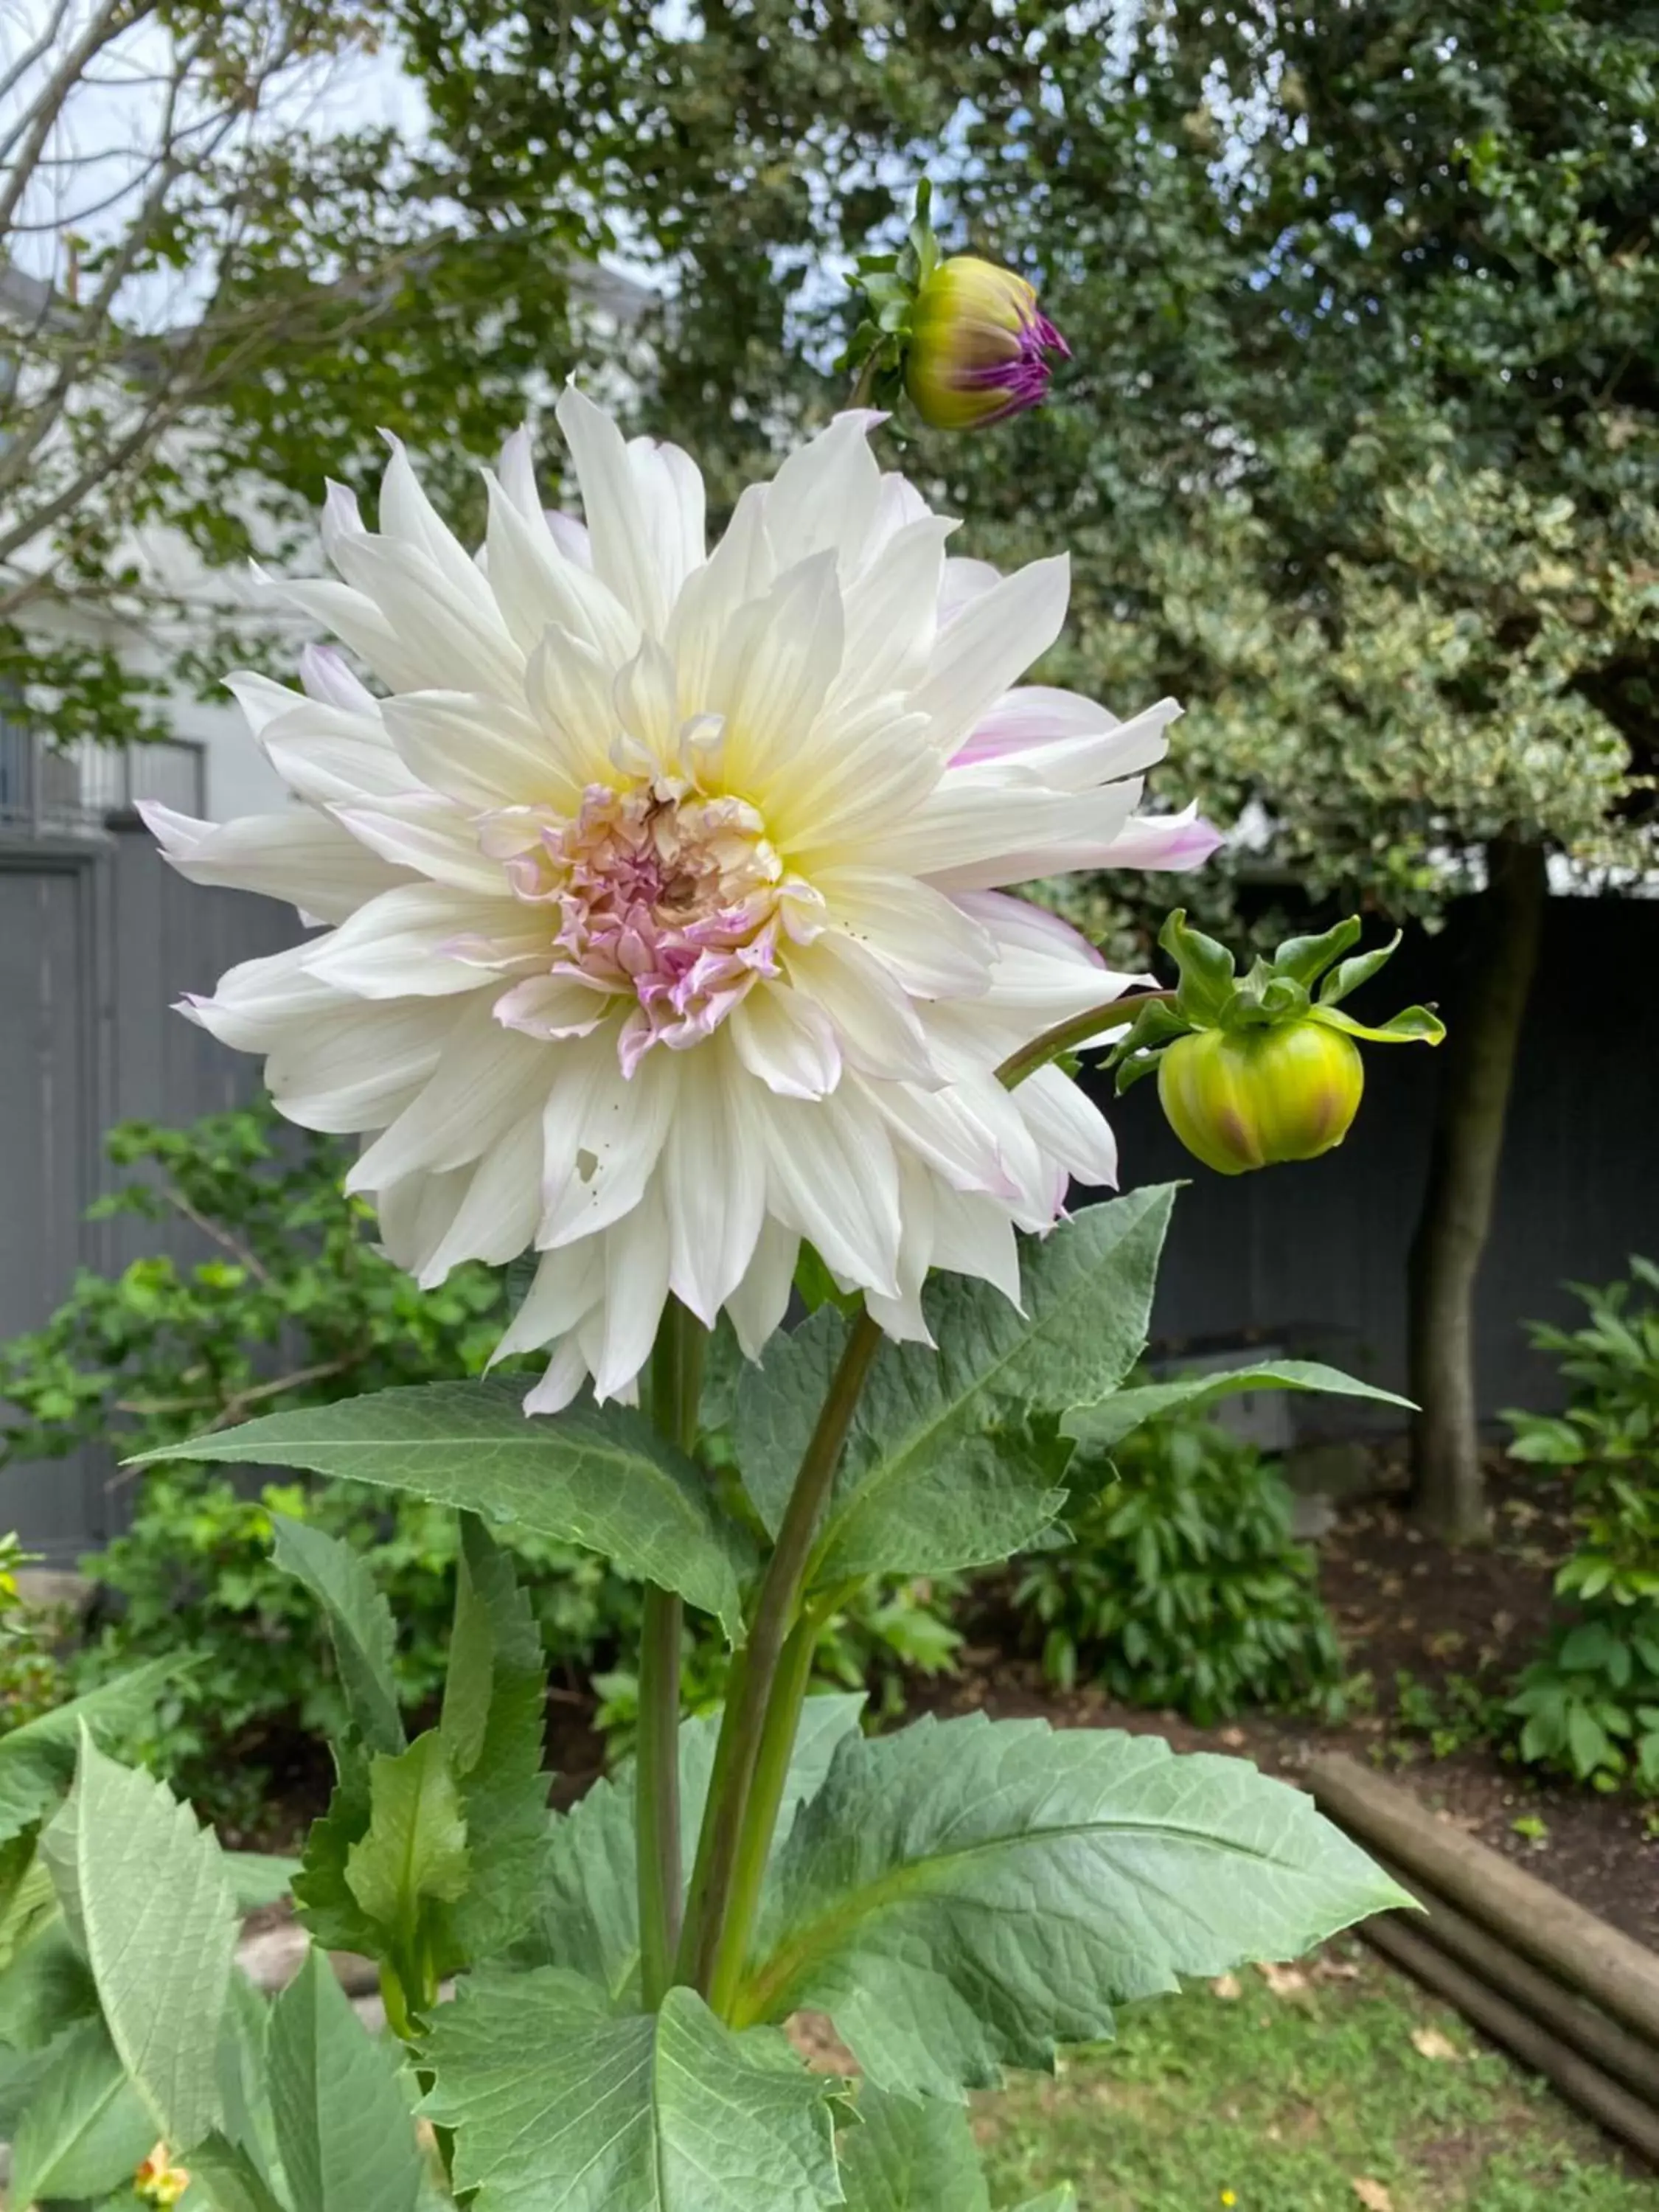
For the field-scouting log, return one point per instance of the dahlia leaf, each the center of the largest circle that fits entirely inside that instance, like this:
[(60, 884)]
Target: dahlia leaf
[(598, 1476), (146, 1893), (556, 2099), (414, 1852), (587, 1910), (37, 1761), (343, 2122), (947, 1465), (360, 1624), (85, 2127), (1108, 1422), (911, 2155), (970, 1894), (226, 2178)]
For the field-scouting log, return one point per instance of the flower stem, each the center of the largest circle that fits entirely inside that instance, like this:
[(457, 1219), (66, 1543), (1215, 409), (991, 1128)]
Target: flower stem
[(1068, 1036), (675, 1384), (716, 1936)]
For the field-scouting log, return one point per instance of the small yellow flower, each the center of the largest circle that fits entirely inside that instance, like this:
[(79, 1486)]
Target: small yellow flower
[(158, 2181), (1229, 2196)]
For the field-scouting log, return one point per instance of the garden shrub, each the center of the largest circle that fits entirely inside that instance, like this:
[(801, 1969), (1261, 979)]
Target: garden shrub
[(1184, 1586), (1588, 1704)]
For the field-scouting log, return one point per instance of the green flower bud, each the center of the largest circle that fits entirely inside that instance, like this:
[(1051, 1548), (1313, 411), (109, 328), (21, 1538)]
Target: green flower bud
[(1250, 1097), (980, 348)]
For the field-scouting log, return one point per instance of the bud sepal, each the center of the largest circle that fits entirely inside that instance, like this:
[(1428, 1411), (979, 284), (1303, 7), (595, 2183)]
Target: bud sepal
[(1260, 1068)]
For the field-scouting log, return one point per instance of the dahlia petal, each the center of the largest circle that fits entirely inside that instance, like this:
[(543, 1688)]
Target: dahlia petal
[(901, 1316), (554, 1007), (415, 1215), (325, 677), (1163, 841), (358, 623), (647, 703), (961, 1147), (832, 1177), (570, 689), (968, 837), (536, 582), (936, 949), (825, 496), (429, 835), (859, 772), (891, 611), (898, 504), (974, 663), (259, 1002), (1070, 1127), (636, 1272), (963, 582), (564, 1290), (1078, 762), (713, 1186), (758, 1304), (515, 472), (973, 1235), (1010, 921), (306, 858), (615, 506), (401, 945), (495, 1219), (1033, 714), (672, 494), (447, 639), (478, 751), (786, 1040), (326, 756), (566, 1373), (602, 1132), (260, 699), (742, 568), (406, 514), (877, 1027), (358, 1067), (487, 1078), (778, 658)]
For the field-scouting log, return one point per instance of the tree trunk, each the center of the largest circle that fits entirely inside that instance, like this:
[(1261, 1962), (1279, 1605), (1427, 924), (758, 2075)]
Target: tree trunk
[(1448, 1494)]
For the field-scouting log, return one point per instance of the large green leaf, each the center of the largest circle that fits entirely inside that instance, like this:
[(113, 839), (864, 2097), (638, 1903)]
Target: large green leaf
[(1112, 1420), (259, 1878), (324, 1899), (560, 2104), (360, 1624), (222, 2174), (968, 1893), (86, 2128), (493, 1722), (147, 1893), (594, 1476), (587, 1911), (37, 1759), (911, 2155), (410, 1861), (343, 2122), (46, 1986)]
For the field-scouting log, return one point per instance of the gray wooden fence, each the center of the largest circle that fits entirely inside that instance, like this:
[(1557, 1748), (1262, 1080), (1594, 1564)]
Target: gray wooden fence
[(97, 939)]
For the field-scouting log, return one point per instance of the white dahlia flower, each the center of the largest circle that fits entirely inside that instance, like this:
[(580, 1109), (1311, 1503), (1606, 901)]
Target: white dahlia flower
[(661, 890)]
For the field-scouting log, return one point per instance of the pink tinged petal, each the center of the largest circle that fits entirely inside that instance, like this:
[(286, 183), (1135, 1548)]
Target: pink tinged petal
[(963, 582), (477, 752), (1163, 841), (713, 1181), (968, 837), (570, 535), (777, 660), (564, 1290), (936, 949), (260, 699), (825, 496), (877, 1027), (602, 1134), (536, 583), (447, 640), (1070, 1127), (260, 1002), (357, 1068), (406, 514), (1033, 714), (892, 612), (325, 678), (672, 494), (787, 1041), (429, 833), (636, 1272), (618, 524), (975, 662), (306, 858), (486, 1079), (1012, 922), (397, 944), (1080, 762), (495, 1219), (570, 690), (832, 1177), (758, 1304), (551, 1006)]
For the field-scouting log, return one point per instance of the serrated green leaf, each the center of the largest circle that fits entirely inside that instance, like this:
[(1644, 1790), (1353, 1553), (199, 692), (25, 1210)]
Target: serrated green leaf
[(37, 1761), (147, 1893), (85, 2129), (413, 1854), (259, 1878), (941, 1468), (588, 1901), (555, 2100), (343, 2128), (226, 2179), (911, 2155), (46, 1986), (968, 1894), (1412, 1025), (598, 1476), (360, 1625), (1112, 1420), (326, 1904), (250, 2124)]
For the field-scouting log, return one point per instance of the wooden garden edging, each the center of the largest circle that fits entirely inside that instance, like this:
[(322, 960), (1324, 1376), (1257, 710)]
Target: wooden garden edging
[(1567, 1993)]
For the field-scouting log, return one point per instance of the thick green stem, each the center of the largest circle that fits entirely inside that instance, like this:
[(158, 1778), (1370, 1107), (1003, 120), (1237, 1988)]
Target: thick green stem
[(675, 1384), (749, 1692), (1069, 1035)]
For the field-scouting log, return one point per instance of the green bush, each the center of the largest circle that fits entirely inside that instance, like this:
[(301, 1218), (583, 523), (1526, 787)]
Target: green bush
[(1184, 1586), (1590, 1704)]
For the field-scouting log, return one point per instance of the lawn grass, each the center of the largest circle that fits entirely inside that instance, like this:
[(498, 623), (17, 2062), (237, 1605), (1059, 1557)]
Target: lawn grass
[(1284, 2103)]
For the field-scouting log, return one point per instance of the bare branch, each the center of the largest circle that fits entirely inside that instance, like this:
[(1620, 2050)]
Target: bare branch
[(26, 60), (108, 21)]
